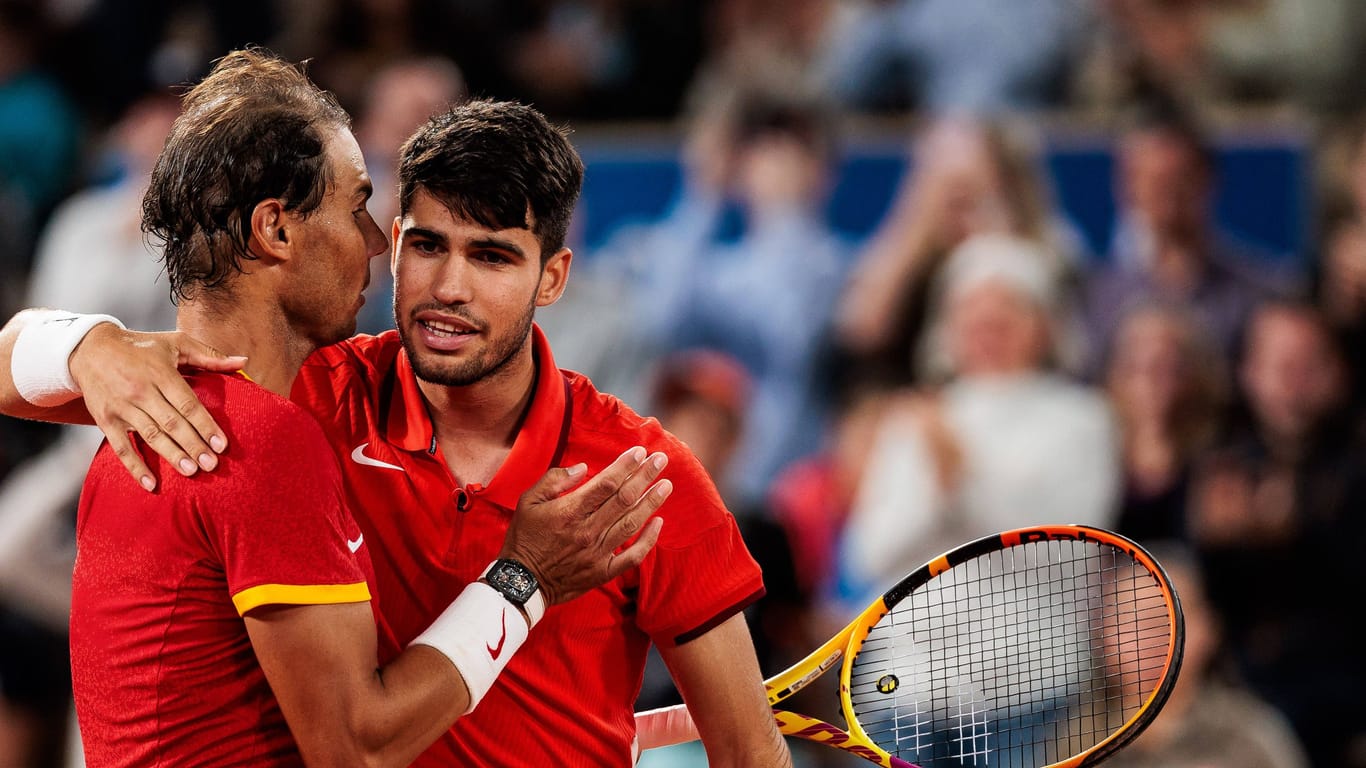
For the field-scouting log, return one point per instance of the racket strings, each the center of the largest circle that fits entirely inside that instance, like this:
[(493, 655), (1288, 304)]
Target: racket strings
[(1020, 657)]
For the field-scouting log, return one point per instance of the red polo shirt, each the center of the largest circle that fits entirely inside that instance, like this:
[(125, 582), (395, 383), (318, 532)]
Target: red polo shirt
[(567, 698), (163, 671)]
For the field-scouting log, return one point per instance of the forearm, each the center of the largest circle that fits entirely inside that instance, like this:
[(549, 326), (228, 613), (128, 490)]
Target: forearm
[(403, 708), (343, 711)]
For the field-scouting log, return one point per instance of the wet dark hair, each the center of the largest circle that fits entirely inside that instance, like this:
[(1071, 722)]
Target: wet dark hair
[(491, 162), (253, 129)]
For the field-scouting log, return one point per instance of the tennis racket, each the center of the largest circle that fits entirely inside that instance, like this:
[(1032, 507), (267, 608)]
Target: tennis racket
[(1045, 646)]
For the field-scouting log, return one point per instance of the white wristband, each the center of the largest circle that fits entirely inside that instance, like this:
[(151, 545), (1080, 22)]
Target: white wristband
[(38, 363), (478, 632)]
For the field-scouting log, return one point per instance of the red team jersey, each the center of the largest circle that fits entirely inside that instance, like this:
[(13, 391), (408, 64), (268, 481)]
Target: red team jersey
[(567, 698), (162, 667)]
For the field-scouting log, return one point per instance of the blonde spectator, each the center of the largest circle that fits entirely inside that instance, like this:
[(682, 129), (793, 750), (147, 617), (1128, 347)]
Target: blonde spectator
[(1007, 441), (966, 177)]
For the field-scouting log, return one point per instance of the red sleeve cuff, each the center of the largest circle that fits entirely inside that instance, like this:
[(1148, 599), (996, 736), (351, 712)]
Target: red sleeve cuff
[(716, 620)]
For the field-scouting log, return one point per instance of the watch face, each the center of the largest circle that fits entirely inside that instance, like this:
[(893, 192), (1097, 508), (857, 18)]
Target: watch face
[(513, 580)]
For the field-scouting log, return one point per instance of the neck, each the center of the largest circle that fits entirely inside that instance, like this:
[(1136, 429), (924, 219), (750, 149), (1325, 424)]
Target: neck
[(257, 329), (487, 414)]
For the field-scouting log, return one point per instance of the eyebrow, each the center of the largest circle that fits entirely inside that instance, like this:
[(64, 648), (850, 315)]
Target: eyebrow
[(496, 243)]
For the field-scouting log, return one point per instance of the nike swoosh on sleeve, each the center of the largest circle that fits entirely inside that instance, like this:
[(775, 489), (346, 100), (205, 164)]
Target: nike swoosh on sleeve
[(359, 457)]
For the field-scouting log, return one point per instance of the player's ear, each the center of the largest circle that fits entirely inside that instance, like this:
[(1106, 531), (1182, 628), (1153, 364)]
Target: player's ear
[(269, 230), (554, 276), (393, 244)]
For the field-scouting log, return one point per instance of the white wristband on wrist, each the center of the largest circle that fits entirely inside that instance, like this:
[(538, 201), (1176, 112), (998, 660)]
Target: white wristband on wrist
[(38, 363), (479, 632)]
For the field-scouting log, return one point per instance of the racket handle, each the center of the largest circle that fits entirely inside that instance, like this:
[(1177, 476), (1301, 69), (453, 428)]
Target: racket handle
[(665, 727)]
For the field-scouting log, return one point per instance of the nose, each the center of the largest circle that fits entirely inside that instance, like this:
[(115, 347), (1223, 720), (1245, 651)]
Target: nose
[(375, 241), (450, 283)]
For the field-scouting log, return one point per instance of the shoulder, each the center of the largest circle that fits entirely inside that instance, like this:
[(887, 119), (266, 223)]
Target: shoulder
[(328, 374), (603, 427), (356, 355), (259, 422)]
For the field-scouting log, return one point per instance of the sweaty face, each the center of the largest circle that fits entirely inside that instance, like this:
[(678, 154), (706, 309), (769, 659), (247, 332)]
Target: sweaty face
[(465, 295), (332, 247)]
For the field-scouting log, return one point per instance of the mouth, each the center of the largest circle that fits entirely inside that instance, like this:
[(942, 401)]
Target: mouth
[(445, 329), (444, 332)]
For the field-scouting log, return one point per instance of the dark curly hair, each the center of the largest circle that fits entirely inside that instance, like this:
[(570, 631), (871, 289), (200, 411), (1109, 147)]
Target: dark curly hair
[(492, 162), (254, 129)]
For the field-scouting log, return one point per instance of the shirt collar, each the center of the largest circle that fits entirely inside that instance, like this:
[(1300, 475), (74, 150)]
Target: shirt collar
[(540, 439)]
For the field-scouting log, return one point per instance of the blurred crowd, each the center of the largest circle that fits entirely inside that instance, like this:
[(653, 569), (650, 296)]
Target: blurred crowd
[(865, 402)]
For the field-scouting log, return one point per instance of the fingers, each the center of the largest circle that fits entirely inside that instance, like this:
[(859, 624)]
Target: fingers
[(196, 354), (621, 527), (556, 482), (132, 460), (634, 555), (608, 482), (131, 381), (178, 427)]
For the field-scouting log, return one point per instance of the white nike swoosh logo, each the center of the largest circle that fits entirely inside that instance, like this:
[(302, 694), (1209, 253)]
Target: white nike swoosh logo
[(355, 545), (359, 457)]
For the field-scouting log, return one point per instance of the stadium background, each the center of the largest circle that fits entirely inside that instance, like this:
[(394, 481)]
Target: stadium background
[(1275, 85)]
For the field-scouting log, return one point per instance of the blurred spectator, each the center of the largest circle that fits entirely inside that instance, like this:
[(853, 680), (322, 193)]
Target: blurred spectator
[(1276, 513), (1215, 54), (1140, 48), (1167, 247), (763, 44), (1211, 719), (114, 51), (1167, 384), (1007, 441), (811, 499), (967, 177), (596, 324), (1301, 53), (40, 130), (91, 258), (1339, 286), (764, 298), (703, 396), (399, 97), (607, 59), (982, 57)]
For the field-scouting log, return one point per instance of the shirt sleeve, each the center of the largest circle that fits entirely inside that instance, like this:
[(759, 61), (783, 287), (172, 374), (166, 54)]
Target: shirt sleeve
[(284, 533), (700, 573)]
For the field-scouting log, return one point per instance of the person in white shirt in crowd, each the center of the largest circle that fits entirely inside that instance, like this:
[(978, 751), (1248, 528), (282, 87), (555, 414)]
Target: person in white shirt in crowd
[(1005, 441)]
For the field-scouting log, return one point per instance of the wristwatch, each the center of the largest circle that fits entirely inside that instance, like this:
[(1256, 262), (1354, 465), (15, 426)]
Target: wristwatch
[(515, 581)]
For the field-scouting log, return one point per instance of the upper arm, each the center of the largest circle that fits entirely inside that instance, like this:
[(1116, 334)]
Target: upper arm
[(317, 658), (719, 677), (342, 710)]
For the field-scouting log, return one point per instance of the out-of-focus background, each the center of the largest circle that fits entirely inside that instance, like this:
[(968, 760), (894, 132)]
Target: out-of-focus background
[(901, 272)]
